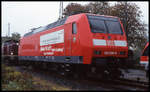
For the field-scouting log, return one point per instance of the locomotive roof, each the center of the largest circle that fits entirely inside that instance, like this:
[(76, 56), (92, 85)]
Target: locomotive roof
[(49, 26), (62, 21), (102, 17), (108, 16)]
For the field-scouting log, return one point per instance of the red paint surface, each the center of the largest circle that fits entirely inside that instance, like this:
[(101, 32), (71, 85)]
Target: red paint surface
[(83, 46), (145, 58)]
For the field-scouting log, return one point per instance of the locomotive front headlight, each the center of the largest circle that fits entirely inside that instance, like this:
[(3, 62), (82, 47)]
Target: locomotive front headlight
[(97, 52), (12, 53), (122, 52)]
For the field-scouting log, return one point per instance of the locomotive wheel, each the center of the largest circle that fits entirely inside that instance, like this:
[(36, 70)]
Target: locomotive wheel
[(64, 70)]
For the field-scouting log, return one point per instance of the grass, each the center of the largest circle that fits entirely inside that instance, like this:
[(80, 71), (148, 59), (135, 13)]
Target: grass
[(15, 80)]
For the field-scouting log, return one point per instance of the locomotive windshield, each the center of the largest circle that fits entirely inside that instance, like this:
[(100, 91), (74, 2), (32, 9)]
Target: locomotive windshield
[(101, 24)]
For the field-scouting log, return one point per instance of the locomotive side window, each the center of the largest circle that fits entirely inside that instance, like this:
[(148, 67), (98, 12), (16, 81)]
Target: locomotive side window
[(114, 27), (49, 26), (97, 26), (74, 28)]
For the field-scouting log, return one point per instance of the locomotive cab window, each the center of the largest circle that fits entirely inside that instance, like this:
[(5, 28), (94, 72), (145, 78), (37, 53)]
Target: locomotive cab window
[(97, 26), (101, 24), (114, 27), (74, 28)]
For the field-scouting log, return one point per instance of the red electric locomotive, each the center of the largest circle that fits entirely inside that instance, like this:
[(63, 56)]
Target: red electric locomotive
[(145, 58), (81, 40)]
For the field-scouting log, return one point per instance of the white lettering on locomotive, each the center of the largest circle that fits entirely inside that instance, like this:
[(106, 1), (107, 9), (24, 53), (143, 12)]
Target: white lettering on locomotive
[(110, 43), (120, 43), (57, 50), (99, 42), (48, 53), (45, 48), (49, 39), (52, 38), (109, 52)]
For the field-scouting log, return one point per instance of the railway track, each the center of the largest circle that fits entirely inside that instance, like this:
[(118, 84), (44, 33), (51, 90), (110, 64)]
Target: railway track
[(121, 84), (140, 84), (87, 83), (132, 84)]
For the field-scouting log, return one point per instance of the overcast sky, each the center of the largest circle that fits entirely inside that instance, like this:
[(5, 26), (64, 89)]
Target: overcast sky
[(23, 16)]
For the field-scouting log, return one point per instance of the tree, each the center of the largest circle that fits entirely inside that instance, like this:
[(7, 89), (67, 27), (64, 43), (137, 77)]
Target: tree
[(130, 15), (93, 7), (16, 36), (5, 38), (74, 8), (101, 8)]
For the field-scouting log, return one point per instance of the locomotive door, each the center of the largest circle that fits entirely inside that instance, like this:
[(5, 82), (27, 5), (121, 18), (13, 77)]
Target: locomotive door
[(71, 39), (68, 35), (75, 40)]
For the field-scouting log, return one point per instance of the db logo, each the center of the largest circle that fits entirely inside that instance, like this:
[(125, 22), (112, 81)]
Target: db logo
[(110, 42)]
